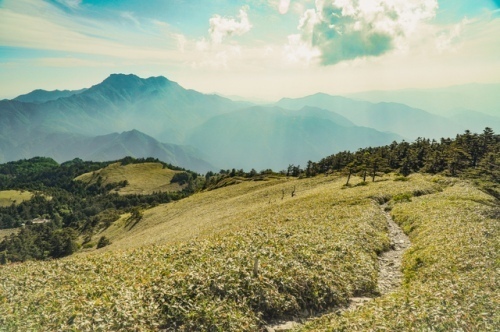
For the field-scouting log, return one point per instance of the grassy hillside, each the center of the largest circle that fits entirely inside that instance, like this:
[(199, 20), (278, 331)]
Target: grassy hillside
[(7, 232), (142, 179), (233, 258), (7, 197), (451, 270)]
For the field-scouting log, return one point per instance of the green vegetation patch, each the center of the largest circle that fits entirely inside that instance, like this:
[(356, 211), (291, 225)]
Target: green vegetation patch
[(9, 197), (451, 270)]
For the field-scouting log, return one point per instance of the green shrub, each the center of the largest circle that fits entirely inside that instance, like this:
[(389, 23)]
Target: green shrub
[(103, 241), (400, 198)]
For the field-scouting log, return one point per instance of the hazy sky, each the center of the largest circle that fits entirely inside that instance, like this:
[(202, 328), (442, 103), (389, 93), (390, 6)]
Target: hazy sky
[(251, 48)]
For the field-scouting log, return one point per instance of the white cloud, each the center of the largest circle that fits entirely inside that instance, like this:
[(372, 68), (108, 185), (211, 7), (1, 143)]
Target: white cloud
[(202, 45), (214, 52), (283, 6), (350, 29), (181, 42), (223, 27), (299, 51), (450, 38)]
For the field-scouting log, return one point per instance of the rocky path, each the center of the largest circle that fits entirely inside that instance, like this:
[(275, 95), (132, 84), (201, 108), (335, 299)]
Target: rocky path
[(390, 275)]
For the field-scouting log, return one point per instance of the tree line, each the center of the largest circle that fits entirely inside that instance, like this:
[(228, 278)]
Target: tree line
[(470, 155), (73, 207)]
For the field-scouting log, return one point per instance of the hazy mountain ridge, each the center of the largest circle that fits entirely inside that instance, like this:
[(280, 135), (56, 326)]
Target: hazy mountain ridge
[(401, 119), (270, 137), (41, 96), (474, 121), (66, 146), (157, 106), (228, 134), (483, 98)]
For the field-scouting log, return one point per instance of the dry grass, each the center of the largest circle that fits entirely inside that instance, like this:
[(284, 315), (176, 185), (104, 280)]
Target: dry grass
[(193, 263), (451, 270), (237, 206), (143, 179), (7, 232), (7, 197)]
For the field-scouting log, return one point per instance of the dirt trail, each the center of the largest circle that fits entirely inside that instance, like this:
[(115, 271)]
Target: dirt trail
[(390, 275)]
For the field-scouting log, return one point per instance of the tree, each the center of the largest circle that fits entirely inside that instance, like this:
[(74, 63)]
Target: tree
[(3, 258), (377, 163), (351, 168)]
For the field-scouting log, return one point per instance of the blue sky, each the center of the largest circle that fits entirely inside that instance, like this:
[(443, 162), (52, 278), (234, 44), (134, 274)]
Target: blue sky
[(252, 48)]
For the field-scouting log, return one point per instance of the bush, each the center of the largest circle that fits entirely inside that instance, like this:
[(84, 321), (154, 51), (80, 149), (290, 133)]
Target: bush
[(399, 198), (181, 178), (103, 241)]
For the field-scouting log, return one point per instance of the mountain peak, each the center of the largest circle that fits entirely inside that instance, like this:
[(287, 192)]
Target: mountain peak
[(123, 81), (131, 82)]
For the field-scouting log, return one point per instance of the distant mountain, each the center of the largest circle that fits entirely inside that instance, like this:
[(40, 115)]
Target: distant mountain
[(41, 96), (205, 131), (66, 146), (156, 106), (272, 137), (474, 121), (61, 123), (483, 98), (401, 119)]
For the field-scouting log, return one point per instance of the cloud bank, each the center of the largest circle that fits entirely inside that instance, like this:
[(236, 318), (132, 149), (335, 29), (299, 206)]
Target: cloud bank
[(348, 29), (222, 27)]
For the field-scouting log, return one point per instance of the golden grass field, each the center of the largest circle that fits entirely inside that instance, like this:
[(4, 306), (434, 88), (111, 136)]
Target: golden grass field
[(233, 258), (7, 197), (7, 232), (143, 179), (231, 207)]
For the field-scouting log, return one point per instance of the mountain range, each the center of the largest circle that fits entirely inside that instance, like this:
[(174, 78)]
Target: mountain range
[(481, 98), (401, 119), (155, 117)]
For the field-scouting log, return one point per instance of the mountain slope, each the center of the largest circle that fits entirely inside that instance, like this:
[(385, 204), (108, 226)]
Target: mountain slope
[(66, 146), (60, 124), (41, 96), (212, 258), (401, 119), (156, 106), (271, 137)]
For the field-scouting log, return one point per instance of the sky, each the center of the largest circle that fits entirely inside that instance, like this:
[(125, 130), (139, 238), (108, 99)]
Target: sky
[(257, 49)]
